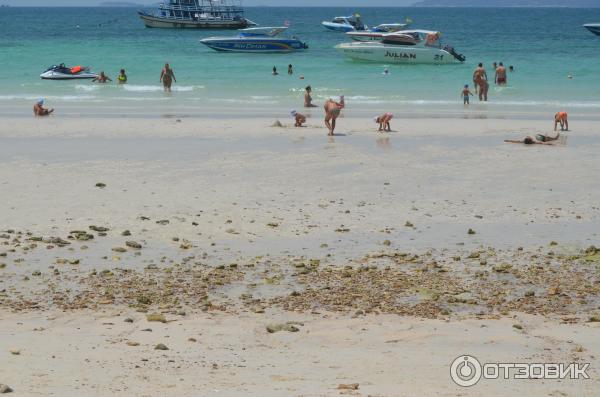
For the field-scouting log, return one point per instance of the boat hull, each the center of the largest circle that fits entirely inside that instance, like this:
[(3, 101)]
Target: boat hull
[(152, 21), (365, 36), (594, 28), (50, 75), (382, 53), (254, 45), (338, 27)]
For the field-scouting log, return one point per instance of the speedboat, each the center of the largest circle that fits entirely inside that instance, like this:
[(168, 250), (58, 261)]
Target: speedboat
[(593, 27), (345, 24), (376, 33), (406, 46), (256, 40), (62, 72)]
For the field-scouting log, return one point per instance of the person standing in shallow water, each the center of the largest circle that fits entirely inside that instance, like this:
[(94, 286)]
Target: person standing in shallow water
[(308, 98), (167, 77), (480, 79), (122, 79), (275, 71), (290, 69), (501, 75)]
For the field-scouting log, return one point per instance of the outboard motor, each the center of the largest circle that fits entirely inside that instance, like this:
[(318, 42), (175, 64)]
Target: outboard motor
[(456, 55)]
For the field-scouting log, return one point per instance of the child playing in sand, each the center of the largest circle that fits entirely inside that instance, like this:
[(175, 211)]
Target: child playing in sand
[(465, 94), (298, 117), (384, 122), (562, 119), (39, 110)]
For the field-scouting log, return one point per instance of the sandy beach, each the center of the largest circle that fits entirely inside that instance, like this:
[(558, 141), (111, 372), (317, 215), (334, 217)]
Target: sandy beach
[(390, 254)]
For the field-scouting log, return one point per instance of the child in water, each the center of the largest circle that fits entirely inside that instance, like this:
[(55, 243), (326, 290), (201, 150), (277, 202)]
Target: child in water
[(122, 77), (465, 94)]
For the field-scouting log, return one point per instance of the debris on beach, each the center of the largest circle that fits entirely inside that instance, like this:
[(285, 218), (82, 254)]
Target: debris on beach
[(161, 346), (156, 317), (348, 386), (5, 389), (101, 185), (289, 327)]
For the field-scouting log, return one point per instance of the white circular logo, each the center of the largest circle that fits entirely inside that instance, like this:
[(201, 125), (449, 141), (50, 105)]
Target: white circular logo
[(465, 371)]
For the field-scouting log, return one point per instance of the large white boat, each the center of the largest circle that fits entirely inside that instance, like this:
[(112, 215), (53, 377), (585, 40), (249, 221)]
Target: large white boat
[(593, 27), (406, 46), (197, 14), (261, 40)]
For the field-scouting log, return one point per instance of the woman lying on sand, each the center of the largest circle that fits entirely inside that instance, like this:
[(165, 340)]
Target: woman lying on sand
[(539, 139)]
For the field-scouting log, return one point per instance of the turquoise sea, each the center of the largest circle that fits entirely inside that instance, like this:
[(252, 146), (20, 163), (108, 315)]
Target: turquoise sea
[(545, 45)]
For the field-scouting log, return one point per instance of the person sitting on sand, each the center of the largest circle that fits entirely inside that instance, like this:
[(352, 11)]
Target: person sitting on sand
[(332, 112), (122, 77), (39, 110), (167, 77), (562, 119), (501, 75), (480, 80), (101, 78), (299, 118), (384, 122), (308, 98), (539, 139), (466, 93)]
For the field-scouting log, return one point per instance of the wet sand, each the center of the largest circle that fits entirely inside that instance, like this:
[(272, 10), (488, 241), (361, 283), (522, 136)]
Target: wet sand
[(432, 232)]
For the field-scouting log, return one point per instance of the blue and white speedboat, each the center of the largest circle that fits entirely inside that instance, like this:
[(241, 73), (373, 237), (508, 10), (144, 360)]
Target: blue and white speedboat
[(256, 40), (593, 27), (345, 24)]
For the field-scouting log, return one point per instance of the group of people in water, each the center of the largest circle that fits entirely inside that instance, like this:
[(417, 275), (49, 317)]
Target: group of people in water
[(167, 77), (480, 79)]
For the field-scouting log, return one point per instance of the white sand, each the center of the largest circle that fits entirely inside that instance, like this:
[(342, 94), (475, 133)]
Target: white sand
[(443, 175)]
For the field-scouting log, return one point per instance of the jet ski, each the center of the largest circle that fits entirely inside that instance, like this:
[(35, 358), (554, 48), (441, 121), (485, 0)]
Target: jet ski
[(62, 72)]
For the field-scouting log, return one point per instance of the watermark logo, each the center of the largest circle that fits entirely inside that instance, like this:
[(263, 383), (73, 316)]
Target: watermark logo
[(466, 371)]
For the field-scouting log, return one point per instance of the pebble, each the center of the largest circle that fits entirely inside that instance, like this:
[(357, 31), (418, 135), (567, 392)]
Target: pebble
[(128, 320), (156, 317), (272, 328), (15, 352), (349, 386), (133, 244), (101, 185), (5, 388), (125, 233), (132, 343), (161, 346)]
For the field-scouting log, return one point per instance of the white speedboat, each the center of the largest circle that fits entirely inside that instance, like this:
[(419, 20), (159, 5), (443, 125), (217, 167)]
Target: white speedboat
[(62, 72), (376, 33), (256, 40), (406, 46), (593, 27), (345, 24)]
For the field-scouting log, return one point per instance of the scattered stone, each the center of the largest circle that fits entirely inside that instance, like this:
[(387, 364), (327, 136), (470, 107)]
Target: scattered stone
[(471, 231), (409, 224), (518, 326), (156, 317), (163, 222), (277, 123), (134, 245), (100, 229), (128, 320), (502, 268), (350, 386), (594, 319), (5, 389), (125, 233), (192, 340), (273, 224), (132, 343), (387, 243), (100, 185), (161, 346), (15, 352), (282, 327), (119, 249)]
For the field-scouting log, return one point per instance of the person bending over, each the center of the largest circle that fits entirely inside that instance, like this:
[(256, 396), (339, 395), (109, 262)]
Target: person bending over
[(299, 118), (562, 119), (332, 112), (384, 122)]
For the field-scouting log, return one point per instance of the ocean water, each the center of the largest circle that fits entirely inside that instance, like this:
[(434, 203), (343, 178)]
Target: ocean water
[(545, 46)]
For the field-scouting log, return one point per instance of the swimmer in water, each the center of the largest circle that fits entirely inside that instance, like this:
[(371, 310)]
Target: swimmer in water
[(308, 98), (122, 79), (299, 118), (167, 77), (101, 78), (386, 71), (384, 122), (275, 71), (332, 112), (561, 118)]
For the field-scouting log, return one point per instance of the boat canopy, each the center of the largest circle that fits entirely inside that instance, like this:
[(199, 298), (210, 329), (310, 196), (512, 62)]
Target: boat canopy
[(263, 31)]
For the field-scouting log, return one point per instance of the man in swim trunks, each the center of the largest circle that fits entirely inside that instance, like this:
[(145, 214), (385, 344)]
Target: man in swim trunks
[(501, 75), (39, 110), (562, 119), (102, 78), (332, 112), (384, 122), (480, 80), (308, 98), (167, 77)]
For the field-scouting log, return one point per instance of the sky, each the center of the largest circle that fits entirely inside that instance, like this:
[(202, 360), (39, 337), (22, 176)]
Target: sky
[(330, 3)]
